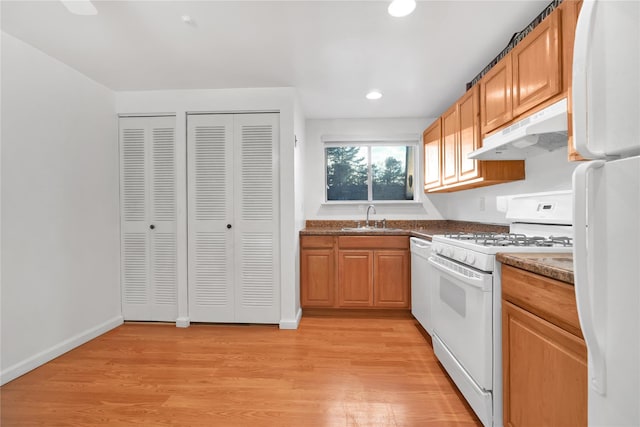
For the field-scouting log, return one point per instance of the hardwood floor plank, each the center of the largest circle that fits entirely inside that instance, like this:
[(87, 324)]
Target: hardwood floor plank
[(351, 371)]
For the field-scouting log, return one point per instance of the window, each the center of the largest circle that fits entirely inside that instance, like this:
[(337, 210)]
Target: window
[(370, 172)]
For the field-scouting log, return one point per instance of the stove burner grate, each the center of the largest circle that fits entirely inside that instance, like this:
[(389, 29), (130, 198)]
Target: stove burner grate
[(511, 239)]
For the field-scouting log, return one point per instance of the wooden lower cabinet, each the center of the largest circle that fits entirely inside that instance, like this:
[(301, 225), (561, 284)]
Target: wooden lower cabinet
[(355, 272), (391, 272), (317, 271), (318, 275), (544, 365)]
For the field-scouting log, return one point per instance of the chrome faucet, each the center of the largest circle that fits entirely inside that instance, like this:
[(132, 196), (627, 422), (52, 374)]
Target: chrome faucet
[(366, 224)]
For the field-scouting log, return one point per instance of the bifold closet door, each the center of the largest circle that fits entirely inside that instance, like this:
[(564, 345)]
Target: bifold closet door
[(210, 216), (148, 218), (233, 218), (256, 204)]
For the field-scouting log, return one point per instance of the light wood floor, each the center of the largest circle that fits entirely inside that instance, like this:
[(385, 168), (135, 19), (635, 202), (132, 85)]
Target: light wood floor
[(330, 372)]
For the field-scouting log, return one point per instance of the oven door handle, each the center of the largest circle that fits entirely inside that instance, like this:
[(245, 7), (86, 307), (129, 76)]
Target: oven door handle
[(476, 282)]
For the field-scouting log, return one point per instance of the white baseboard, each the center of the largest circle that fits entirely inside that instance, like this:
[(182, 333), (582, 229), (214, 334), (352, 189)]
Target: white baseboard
[(21, 368), (293, 323), (182, 322)]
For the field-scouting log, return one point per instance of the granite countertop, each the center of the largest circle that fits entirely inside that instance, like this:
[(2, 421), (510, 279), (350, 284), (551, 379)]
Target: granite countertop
[(424, 229), (325, 231), (557, 266)]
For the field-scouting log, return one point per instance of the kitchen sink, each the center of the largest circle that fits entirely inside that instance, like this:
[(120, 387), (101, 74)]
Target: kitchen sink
[(368, 229)]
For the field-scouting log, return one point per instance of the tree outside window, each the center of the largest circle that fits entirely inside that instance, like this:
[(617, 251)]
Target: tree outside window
[(370, 173)]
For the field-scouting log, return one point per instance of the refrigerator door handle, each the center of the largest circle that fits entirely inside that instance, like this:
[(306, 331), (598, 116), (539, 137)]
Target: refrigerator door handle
[(583, 272), (580, 79)]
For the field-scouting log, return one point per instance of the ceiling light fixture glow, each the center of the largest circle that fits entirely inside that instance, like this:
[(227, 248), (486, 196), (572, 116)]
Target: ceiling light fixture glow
[(374, 94), (400, 8), (80, 7)]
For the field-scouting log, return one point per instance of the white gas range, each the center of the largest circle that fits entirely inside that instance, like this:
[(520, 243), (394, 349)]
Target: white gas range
[(467, 292)]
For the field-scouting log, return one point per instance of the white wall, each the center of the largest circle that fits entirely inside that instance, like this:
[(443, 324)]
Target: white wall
[(230, 100), (299, 180), (544, 172), (60, 244), (315, 208)]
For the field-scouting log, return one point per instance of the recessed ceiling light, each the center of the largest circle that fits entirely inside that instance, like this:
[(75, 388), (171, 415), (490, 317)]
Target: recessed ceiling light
[(374, 94), (187, 19), (400, 8), (80, 7)]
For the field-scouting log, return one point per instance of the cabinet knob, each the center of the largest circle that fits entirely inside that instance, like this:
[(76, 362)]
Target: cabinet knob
[(152, 226), (228, 225)]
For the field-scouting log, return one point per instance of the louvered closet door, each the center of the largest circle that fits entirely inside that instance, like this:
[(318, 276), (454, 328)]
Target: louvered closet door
[(148, 199), (210, 206), (256, 218)]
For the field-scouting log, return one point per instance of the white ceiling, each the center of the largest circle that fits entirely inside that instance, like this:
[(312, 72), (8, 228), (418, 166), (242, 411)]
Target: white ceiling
[(333, 52)]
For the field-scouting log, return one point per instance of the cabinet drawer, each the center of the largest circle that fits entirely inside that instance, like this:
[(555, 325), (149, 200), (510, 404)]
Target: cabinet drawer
[(317, 241), (373, 242), (550, 299)]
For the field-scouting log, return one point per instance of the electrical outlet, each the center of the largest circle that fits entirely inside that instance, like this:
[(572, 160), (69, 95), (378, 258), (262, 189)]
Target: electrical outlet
[(482, 204)]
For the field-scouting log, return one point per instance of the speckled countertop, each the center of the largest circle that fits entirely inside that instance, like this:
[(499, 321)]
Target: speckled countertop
[(414, 228), (557, 266)]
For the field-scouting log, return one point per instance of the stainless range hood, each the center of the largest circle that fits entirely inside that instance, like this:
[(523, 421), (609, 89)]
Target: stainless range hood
[(543, 131)]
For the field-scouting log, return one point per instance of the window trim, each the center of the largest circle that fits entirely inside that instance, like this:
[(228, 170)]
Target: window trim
[(369, 142)]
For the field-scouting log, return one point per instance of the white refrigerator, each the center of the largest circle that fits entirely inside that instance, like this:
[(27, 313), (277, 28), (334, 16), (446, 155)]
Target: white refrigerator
[(606, 129)]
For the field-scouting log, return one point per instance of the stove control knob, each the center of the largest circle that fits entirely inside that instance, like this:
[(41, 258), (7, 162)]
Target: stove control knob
[(448, 253), (463, 256), (471, 259)]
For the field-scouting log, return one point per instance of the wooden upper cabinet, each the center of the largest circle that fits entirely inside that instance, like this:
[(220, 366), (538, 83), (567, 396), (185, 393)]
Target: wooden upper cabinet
[(537, 66), (450, 128), (570, 10), (457, 133), (469, 135), (431, 139), (495, 96)]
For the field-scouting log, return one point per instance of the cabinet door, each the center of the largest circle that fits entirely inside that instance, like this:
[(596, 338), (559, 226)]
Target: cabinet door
[(495, 96), (148, 213), (317, 277), (431, 138), (469, 136), (391, 283), (210, 188), (544, 372), (570, 11), (450, 128), (536, 66), (355, 275)]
